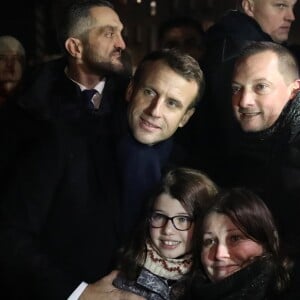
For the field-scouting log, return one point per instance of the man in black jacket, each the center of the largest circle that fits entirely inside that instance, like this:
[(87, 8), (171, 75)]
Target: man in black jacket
[(265, 149), (162, 97), (61, 220), (90, 35), (254, 20), (266, 146), (59, 211)]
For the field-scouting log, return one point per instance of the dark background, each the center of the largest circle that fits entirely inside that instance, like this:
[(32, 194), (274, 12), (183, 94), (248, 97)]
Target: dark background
[(33, 22)]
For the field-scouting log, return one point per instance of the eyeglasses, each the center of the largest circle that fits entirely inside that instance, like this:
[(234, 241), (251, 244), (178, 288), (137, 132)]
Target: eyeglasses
[(181, 223)]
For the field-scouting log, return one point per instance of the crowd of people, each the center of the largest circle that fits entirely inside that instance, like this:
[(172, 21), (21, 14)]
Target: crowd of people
[(179, 180)]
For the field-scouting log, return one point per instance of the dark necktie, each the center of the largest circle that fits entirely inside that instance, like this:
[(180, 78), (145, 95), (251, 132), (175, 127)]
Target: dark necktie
[(87, 96)]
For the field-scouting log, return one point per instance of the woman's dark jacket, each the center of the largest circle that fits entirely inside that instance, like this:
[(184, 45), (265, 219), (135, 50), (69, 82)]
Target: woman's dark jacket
[(268, 162), (254, 282)]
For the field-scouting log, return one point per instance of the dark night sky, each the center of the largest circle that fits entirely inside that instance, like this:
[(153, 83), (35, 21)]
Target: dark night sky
[(17, 18), (19, 21)]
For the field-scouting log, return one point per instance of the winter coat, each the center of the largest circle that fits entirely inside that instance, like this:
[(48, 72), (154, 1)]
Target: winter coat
[(214, 119), (147, 285), (268, 162), (254, 282)]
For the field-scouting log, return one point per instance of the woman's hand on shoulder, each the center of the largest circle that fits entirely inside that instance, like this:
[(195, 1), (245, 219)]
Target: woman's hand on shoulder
[(103, 289)]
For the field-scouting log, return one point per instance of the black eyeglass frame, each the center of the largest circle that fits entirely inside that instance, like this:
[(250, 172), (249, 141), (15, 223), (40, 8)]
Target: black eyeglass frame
[(166, 220)]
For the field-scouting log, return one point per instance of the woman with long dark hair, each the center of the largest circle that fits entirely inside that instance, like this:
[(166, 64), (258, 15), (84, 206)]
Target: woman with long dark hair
[(240, 256)]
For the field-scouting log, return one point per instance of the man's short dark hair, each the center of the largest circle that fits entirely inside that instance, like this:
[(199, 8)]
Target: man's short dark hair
[(71, 15), (287, 63), (181, 63)]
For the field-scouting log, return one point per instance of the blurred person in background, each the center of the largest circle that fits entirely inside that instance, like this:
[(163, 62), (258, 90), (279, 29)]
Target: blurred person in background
[(12, 67), (183, 33)]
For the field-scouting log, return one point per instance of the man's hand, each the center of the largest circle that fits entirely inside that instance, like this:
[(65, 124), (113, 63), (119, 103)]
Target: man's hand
[(103, 289)]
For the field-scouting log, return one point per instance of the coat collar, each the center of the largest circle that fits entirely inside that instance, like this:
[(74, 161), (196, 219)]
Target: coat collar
[(154, 283)]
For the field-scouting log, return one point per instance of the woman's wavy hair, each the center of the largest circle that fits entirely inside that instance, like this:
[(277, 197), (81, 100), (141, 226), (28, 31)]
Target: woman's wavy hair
[(252, 216)]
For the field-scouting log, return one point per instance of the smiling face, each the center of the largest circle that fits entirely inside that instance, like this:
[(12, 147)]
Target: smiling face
[(274, 16), (260, 91), (226, 249), (169, 241), (104, 43), (160, 103)]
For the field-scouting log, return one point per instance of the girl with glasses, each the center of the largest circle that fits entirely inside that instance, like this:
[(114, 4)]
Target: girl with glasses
[(159, 254)]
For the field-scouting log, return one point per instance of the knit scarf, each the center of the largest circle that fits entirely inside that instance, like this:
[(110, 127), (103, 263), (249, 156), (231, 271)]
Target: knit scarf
[(255, 281), (140, 170), (169, 268)]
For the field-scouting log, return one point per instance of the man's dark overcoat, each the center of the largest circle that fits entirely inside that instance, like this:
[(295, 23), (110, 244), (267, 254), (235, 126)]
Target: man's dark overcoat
[(214, 119), (59, 211)]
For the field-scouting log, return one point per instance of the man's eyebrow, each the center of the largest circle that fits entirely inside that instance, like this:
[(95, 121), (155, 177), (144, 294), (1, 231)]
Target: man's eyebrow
[(263, 80), (235, 82), (178, 102), (111, 27), (233, 229), (108, 27)]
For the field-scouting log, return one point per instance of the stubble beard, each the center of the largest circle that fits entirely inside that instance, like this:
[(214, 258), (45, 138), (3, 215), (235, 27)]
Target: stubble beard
[(102, 66)]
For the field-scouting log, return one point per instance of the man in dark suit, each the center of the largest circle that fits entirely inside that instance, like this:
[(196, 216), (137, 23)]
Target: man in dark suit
[(90, 35), (61, 220), (162, 97), (265, 149), (254, 20), (58, 216)]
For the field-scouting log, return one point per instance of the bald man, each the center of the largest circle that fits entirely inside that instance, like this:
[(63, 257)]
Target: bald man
[(274, 19), (12, 64)]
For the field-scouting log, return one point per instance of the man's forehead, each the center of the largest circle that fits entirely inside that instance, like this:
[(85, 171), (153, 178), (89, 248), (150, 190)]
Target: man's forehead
[(161, 76), (106, 16), (255, 61), (9, 47), (259, 3), (291, 2), (152, 68)]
